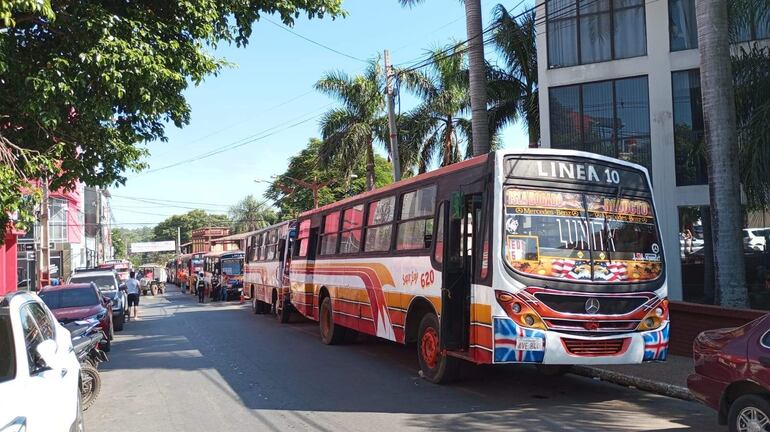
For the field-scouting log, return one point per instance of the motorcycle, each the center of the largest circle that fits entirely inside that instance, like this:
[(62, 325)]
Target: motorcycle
[(85, 343)]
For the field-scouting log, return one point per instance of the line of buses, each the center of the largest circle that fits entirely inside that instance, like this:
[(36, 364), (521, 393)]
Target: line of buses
[(548, 257)]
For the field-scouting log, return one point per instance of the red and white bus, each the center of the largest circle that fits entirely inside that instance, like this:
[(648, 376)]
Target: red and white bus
[(548, 257), (265, 278)]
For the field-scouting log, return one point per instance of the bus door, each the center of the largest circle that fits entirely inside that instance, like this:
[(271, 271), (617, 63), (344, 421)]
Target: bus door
[(461, 221)]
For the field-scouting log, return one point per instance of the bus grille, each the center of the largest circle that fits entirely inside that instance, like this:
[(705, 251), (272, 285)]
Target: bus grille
[(592, 348), (577, 304)]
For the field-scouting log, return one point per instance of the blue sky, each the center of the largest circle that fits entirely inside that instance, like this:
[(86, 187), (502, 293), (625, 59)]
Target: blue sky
[(268, 95)]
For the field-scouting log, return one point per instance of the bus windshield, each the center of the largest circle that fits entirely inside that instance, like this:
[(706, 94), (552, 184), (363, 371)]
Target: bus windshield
[(231, 266), (581, 236)]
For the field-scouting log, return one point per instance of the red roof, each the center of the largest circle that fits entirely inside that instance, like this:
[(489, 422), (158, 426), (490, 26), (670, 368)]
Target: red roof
[(478, 160)]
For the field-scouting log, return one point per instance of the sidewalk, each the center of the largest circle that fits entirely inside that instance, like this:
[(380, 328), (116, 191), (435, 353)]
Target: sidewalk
[(668, 378)]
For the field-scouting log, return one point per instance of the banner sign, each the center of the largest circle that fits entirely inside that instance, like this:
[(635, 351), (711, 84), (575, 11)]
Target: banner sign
[(161, 246)]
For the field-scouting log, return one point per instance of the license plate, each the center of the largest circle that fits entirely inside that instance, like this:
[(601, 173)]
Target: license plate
[(529, 344)]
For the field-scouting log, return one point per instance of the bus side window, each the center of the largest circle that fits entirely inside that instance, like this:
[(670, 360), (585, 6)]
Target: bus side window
[(438, 250)]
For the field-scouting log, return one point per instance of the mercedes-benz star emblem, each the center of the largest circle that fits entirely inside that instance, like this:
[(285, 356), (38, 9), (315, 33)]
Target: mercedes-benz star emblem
[(592, 306)]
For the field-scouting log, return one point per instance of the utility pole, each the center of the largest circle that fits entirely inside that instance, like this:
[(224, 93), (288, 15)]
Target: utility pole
[(392, 118), (314, 186), (179, 240), (44, 278)]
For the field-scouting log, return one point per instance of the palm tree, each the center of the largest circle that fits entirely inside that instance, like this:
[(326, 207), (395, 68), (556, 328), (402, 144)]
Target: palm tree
[(477, 74), (721, 148), (349, 131), (435, 127), (513, 90)]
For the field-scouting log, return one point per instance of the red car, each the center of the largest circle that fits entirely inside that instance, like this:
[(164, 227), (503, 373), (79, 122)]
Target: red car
[(83, 301), (732, 374)]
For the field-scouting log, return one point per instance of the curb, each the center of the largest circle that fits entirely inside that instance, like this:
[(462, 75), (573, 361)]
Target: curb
[(660, 388)]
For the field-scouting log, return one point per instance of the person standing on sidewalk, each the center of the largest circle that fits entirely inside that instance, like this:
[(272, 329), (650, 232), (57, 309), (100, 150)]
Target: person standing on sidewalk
[(200, 286), (132, 289)]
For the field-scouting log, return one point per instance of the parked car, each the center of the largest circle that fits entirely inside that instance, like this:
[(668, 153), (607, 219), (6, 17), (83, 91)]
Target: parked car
[(76, 302), (39, 374), (732, 374), (108, 284), (754, 239)]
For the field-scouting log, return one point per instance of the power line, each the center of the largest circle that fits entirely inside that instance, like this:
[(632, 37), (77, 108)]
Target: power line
[(171, 201), (244, 141), (274, 107), (284, 28)]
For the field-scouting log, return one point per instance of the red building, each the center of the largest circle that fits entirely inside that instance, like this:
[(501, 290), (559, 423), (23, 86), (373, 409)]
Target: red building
[(8, 279)]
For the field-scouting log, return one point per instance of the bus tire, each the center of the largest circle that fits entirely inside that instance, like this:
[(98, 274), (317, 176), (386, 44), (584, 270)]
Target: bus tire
[(434, 366), (331, 333), (283, 314), (256, 306)]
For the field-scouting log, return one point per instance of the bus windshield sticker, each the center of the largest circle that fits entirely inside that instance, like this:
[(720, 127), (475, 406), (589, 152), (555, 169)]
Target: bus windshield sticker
[(566, 235)]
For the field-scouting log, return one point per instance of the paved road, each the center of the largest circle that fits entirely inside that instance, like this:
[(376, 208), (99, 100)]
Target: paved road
[(218, 367)]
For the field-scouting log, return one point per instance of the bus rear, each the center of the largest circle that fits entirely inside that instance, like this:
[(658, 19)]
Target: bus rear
[(580, 268)]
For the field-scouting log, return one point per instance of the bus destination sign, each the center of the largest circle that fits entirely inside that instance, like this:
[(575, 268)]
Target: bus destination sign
[(576, 171)]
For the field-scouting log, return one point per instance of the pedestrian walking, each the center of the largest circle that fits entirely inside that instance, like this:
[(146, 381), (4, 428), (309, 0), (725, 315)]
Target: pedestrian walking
[(200, 288), (132, 289)]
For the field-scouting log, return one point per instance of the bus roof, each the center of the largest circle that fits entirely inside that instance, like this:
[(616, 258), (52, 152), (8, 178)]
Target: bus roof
[(478, 160), (222, 253)]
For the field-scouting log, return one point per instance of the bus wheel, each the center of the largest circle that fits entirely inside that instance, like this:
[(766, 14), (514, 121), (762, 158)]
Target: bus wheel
[(434, 366), (256, 306), (331, 333), (282, 311)]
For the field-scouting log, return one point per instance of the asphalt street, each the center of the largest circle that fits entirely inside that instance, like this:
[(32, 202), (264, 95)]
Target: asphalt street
[(219, 367)]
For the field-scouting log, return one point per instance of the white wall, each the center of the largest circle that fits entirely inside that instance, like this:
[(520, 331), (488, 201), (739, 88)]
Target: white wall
[(657, 65)]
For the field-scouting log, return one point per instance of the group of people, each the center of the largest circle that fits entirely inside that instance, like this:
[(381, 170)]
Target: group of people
[(198, 286)]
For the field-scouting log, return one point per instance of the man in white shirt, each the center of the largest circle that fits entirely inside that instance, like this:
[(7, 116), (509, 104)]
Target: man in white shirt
[(132, 289)]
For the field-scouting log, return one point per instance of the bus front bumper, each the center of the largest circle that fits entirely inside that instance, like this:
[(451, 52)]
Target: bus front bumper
[(517, 344)]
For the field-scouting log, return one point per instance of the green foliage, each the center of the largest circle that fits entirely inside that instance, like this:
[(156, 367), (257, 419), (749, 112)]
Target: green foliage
[(350, 130), (249, 214), (118, 244), (84, 84), (751, 70), (188, 222), (437, 128), (292, 199), (512, 86)]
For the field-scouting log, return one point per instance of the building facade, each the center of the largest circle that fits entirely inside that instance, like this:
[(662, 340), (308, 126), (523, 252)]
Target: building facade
[(621, 78), (78, 231)]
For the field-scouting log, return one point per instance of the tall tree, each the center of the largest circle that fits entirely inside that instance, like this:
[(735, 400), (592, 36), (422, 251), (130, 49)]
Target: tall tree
[(477, 74), (107, 77), (437, 128), (513, 90), (250, 214), (721, 148), (340, 178), (188, 222), (350, 131)]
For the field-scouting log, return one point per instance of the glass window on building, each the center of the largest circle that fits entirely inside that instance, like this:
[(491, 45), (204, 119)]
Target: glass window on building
[(611, 118), (756, 27), (57, 220), (689, 143), (591, 31), (682, 27), (696, 254)]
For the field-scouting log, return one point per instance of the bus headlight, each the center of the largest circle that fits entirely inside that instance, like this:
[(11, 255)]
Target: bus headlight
[(519, 311), (655, 317)]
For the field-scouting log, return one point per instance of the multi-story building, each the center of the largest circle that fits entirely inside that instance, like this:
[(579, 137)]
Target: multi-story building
[(621, 78), (78, 232)]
